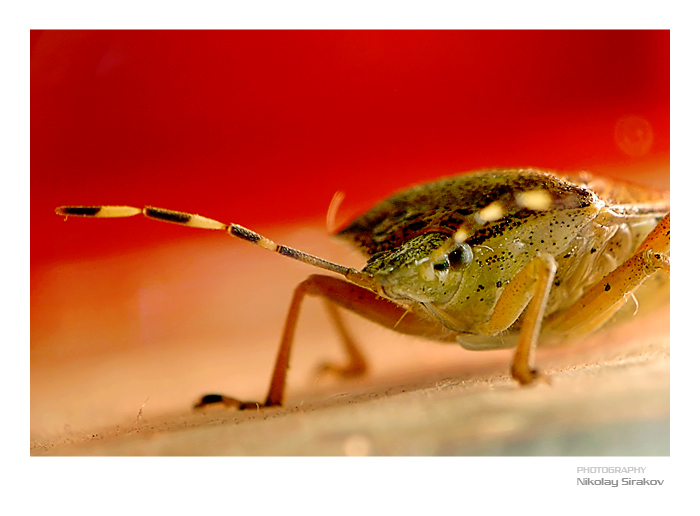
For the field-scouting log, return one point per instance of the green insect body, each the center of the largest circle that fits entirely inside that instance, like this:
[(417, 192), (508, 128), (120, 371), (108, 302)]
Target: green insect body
[(410, 241)]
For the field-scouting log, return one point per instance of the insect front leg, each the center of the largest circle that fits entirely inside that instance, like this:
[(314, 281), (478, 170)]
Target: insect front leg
[(337, 293), (603, 299), (528, 291)]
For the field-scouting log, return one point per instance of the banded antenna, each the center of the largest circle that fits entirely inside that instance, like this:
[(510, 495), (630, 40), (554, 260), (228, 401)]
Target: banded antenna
[(197, 221)]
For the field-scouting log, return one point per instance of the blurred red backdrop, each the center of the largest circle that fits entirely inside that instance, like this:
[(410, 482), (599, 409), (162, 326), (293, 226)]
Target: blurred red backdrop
[(261, 128), (264, 126)]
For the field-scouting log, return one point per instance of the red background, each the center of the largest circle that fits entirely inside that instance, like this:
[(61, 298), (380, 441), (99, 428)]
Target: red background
[(260, 127)]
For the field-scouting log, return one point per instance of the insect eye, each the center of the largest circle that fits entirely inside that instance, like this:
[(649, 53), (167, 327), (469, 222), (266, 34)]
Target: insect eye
[(460, 256)]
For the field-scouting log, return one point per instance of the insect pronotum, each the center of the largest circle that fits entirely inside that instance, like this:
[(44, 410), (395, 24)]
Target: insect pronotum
[(488, 260)]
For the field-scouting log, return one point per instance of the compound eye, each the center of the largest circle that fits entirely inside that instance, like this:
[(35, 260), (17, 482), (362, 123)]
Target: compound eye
[(457, 258), (460, 256)]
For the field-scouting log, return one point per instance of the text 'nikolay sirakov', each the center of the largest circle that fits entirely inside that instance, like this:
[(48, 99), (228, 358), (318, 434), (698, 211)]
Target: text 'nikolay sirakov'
[(615, 482)]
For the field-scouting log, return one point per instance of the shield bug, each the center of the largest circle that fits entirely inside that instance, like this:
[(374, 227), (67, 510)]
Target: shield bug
[(492, 259)]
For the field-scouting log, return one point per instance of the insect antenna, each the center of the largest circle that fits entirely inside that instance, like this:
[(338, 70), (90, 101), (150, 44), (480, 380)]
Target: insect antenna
[(197, 221)]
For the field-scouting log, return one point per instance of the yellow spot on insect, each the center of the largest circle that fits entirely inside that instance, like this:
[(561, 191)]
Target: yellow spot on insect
[(534, 199), (493, 211), (460, 235)]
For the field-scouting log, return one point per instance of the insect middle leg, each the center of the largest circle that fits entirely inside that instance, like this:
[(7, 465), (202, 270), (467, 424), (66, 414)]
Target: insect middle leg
[(336, 292), (357, 364)]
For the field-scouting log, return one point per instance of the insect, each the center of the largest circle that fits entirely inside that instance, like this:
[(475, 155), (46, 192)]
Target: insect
[(489, 260)]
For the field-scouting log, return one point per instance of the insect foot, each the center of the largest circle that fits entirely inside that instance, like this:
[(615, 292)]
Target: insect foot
[(225, 401), (528, 376), (340, 371)]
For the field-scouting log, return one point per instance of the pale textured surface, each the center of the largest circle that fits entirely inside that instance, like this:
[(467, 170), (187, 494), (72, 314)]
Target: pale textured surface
[(617, 407), (148, 334)]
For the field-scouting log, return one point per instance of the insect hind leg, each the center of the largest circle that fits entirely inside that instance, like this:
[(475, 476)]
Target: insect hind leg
[(357, 364), (603, 299)]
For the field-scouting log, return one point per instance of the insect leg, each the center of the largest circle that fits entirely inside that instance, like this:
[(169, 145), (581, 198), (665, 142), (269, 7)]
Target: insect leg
[(357, 364), (527, 292), (340, 293), (603, 299), (544, 268)]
